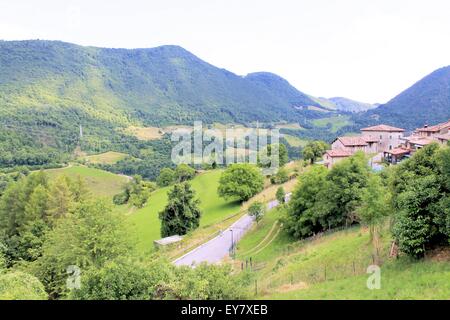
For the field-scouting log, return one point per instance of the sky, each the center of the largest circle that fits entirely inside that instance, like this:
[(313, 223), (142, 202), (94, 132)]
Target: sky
[(367, 50)]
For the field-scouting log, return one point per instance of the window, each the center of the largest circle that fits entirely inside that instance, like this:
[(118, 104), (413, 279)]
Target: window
[(381, 137), (390, 147), (390, 137)]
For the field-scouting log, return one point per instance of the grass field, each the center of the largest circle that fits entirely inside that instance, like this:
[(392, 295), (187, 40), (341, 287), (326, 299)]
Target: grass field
[(295, 141), (334, 266), (214, 209), (145, 133), (336, 122), (99, 182), (109, 157)]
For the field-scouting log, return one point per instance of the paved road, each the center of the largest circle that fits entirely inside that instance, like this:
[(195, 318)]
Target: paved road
[(218, 248)]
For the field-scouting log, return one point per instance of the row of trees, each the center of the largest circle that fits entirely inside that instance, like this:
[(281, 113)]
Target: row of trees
[(53, 232)]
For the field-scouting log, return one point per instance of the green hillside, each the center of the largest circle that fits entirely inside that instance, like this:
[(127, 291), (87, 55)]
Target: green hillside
[(426, 102), (214, 209), (334, 266)]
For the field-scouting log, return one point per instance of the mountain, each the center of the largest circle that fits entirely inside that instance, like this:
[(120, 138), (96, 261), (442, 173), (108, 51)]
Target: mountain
[(426, 102), (163, 85), (49, 88), (349, 105), (275, 84)]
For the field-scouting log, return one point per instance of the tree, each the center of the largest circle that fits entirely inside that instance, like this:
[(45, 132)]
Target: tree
[(257, 210), (281, 195), (182, 213), (18, 285), (314, 150), (183, 172), (342, 193), (280, 177), (420, 198), (88, 238), (303, 218), (241, 181), (61, 199), (265, 156), (166, 177), (374, 208)]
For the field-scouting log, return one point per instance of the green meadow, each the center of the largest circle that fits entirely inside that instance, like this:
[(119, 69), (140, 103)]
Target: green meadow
[(146, 223)]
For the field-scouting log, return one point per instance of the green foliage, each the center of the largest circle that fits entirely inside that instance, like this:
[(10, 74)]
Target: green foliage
[(421, 191), (166, 177), (265, 156), (281, 195), (181, 213), (89, 237), (314, 150), (326, 199), (303, 219), (17, 285), (280, 177), (136, 192), (133, 280), (240, 181), (257, 210), (183, 172)]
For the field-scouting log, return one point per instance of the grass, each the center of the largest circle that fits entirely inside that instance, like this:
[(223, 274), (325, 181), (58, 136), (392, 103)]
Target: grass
[(334, 266), (109, 157), (145, 133), (295, 141), (100, 183), (214, 209), (404, 279), (336, 122)]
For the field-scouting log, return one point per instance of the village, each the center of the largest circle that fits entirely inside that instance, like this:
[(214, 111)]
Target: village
[(385, 143)]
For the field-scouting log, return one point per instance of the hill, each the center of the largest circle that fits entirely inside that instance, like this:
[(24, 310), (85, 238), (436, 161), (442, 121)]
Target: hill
[(334, 266), (49, 88), (349, 105), (214, 209), (426, 102)]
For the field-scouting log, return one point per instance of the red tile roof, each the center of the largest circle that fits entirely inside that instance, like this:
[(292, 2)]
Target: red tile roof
[(398, 151), (383, 127), (352, 141), (421, 141), (435, 128), (337, 153), (443, 136)]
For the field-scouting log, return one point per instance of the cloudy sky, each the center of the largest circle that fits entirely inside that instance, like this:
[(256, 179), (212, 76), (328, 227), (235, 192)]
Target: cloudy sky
[(361, 49)]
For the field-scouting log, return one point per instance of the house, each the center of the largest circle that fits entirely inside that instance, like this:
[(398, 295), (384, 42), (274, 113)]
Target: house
[(388, 137), (442, 138), (350, 144), (428, 134), (427, 131), (332, 157), (396, 155)]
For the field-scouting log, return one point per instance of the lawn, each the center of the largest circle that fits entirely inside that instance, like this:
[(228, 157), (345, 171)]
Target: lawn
[(336, 122), (109, 157), (100, 183), (214, 209)]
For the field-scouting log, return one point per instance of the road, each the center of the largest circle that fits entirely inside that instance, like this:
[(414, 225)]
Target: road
[(218, 248)]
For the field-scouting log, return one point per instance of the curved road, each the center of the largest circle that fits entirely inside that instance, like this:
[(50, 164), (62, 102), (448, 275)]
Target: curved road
[(218, 248)]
